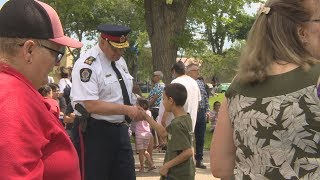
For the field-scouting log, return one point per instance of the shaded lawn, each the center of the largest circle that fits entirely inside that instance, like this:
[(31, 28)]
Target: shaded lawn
[(207, 139)]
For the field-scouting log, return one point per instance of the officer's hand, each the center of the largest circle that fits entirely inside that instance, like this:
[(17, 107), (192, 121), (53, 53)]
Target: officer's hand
[(69, 118), (134, 112), (141, 114)]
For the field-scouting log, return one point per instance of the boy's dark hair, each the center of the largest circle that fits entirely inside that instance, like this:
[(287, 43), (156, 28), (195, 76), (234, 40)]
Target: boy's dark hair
[(143, 103), (179, 68), (44, 90), (177, 92)]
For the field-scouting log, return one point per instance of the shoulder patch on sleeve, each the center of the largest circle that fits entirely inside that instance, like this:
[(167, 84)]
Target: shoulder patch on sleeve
[(85, 74), (89, 60)]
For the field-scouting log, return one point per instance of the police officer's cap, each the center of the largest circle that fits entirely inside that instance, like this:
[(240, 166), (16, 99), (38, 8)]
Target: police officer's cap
[(116, 35)]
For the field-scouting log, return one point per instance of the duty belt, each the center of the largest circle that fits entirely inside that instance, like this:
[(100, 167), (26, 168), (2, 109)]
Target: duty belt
[(124, 122)]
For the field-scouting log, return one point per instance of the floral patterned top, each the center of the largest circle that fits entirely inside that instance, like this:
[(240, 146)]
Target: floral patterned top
[(157, 90), (276, 126)]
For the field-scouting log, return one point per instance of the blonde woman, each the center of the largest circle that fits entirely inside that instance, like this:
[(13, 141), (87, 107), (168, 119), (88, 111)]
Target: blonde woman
[(268, 125)]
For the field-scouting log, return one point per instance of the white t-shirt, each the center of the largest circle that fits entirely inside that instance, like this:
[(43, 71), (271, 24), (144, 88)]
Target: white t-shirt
[(63, 83), (50, 79), (192, 102)]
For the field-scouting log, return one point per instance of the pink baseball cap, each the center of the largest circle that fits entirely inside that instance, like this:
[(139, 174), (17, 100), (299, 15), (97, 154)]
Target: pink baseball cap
[(33, 19)]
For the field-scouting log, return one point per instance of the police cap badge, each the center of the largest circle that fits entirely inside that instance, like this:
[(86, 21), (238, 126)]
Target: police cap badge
[(116, 35)]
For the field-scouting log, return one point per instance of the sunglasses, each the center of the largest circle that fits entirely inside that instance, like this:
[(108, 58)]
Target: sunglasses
[(59, 54)]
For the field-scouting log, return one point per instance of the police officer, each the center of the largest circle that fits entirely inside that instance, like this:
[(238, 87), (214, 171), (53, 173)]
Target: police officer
[(102, 83)]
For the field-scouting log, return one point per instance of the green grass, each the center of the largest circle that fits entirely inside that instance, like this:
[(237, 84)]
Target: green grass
[(207, 139), (145, 95)]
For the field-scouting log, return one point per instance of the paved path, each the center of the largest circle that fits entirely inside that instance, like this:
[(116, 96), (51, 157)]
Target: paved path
[(201, 174)]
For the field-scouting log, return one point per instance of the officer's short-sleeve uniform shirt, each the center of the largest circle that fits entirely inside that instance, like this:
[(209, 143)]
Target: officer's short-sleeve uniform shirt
[(94, 79), (180, 138)]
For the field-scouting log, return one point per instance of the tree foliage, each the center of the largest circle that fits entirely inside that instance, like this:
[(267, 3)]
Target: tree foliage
[(194, 27), (81, 17), (222, 66), (221, 20)]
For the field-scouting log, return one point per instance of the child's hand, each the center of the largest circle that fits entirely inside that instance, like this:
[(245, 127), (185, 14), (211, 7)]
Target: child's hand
[(141, 113), (69, 119), (164, 170), (146, 115), (72, 115), (135, 112)]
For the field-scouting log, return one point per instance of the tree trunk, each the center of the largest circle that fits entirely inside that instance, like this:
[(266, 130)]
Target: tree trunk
[(164, 23)]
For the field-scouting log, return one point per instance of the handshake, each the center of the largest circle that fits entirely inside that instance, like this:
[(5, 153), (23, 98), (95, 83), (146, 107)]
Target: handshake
[(136, 113)]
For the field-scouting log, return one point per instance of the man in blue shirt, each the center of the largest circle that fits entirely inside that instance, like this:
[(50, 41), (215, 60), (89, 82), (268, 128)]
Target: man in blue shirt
[(203, 109)]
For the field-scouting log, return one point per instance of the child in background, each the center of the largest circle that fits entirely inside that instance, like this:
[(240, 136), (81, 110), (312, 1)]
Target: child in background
[(178, 162), (46, 93), (213, 115), (143, 135)]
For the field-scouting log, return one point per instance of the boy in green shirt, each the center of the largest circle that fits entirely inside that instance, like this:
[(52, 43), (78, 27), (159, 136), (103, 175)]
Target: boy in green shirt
[(178, 163)]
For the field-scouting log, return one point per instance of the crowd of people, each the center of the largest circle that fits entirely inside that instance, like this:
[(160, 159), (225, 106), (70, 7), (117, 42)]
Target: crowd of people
[(82, 127)]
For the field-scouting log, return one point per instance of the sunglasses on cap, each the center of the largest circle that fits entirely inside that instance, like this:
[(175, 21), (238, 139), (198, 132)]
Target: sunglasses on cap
[(59, 54)]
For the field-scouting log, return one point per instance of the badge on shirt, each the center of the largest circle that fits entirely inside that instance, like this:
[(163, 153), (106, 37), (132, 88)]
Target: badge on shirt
[(169, 136), (85, 74), (89, 60)]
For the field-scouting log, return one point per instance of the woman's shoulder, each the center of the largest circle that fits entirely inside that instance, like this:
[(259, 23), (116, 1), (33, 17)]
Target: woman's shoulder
[(279, 84)]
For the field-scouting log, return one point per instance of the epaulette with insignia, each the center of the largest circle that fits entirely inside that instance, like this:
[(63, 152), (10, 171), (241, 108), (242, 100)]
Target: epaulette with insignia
[(89, 60)]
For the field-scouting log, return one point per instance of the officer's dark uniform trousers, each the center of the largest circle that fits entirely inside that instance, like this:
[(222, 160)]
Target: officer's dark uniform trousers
[(112, 142)]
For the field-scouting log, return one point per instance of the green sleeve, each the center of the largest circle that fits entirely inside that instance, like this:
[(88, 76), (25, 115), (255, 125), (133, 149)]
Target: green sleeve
[(181, 138)]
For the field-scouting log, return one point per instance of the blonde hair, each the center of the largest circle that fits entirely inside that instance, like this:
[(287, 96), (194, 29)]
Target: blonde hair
[(274, 36)]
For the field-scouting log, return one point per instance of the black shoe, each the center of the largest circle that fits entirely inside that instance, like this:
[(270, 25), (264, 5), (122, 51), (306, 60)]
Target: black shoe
[(199, 164)]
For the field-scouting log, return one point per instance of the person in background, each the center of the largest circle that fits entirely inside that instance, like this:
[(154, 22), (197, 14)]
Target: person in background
[(143, 136), (203, 109), (215, 83), (178, 162), (154, 99), (213, 115), (136, 94), (268, 125), (101, 82), (65, 84), (207, 88), (46, 93), (191, 106), (155, 94), (34, 145), (59, 98), (50, 79)]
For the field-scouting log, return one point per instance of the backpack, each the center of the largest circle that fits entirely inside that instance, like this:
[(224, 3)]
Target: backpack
[(66, 93)]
